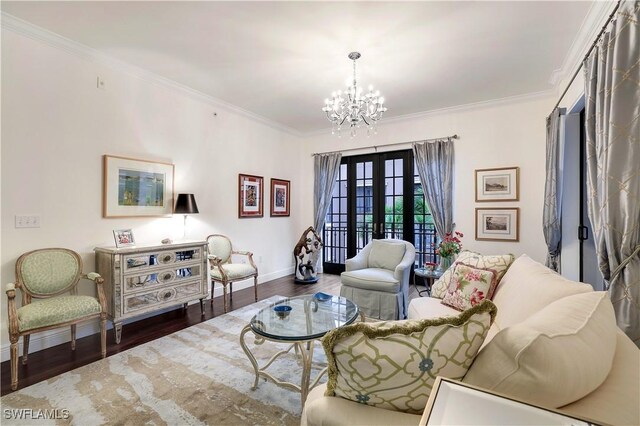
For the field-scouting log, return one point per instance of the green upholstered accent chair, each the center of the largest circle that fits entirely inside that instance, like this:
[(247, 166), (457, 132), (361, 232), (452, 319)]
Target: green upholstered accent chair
[(225, 272), (46, 274)]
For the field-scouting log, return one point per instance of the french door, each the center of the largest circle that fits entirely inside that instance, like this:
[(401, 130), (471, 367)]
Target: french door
[(376, 196)]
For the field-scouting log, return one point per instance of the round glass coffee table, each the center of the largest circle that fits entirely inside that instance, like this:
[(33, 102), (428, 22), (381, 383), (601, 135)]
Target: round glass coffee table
[(301, 321)]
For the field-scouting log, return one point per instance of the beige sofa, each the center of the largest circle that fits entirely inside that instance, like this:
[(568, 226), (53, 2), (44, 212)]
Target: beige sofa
[(525, 289)]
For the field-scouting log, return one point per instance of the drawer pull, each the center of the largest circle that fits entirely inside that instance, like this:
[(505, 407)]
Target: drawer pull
[(166, 258), (165, 295), (167, 276)]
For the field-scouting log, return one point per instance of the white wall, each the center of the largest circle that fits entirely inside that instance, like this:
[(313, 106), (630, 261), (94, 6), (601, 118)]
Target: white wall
[(57, 126), (495, 134)]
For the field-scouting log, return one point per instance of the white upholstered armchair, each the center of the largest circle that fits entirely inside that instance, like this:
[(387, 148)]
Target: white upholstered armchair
[(377, 278)]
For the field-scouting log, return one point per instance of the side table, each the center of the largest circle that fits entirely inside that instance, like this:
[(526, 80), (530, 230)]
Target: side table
[(429, 276), (487, 407)]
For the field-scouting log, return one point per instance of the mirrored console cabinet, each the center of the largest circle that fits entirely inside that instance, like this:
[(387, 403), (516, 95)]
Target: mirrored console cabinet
[(143, 280)]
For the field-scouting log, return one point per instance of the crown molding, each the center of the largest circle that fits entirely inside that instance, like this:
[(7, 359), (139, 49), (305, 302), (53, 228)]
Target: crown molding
[(453, 109), (591, 25), (80, 50)]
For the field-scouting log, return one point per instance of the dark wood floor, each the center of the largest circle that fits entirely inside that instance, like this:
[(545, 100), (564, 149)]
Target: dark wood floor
[(60, 359)]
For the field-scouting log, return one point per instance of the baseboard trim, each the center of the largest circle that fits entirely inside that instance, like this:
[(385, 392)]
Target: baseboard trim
[(60, 336)]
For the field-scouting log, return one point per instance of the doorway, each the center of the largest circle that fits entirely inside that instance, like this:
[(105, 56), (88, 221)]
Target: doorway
[(377, 196)]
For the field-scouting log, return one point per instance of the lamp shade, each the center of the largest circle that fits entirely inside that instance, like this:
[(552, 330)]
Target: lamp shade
[(186, 204)]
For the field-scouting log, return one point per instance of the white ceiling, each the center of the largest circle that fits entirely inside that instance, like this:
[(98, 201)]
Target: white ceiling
[(280, 60)]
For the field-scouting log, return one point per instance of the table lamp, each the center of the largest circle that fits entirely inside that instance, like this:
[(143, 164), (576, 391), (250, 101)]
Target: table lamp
[(186, 204)]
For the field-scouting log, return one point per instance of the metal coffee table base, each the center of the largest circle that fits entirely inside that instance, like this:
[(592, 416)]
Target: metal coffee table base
[(303, 348)]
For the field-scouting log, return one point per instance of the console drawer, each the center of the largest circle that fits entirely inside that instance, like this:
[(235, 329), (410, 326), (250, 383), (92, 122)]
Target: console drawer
[(169, 295), (144, 261), (160, 278)]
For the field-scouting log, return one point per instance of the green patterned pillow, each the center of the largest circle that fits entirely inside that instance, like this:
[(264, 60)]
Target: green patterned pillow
[(499, 263), (393, 364)]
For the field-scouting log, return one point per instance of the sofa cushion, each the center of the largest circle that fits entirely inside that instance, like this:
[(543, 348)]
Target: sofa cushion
[(499, 263), (394, 364), (56, 310), (320, 410), (557, 356), (376, 279), (615, 402), (529, 286), (429, 307), (469, 286), (386, 254), (234, 271)]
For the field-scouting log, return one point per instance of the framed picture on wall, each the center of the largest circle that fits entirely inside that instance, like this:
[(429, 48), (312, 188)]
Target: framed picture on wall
[(498, 224), (501, 184), (133, 187), (280, 197), (250, 192), (124, 238)]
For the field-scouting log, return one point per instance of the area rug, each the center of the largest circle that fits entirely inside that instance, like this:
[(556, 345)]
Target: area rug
[(196, 376)]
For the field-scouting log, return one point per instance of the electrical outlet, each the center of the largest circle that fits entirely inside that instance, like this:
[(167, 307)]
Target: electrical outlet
[(27, 221), (100, 83)]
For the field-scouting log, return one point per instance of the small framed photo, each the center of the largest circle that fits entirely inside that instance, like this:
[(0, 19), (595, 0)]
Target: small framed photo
[(500, 184), (124, 238), (250, 193), (280, 197), (498, 224)]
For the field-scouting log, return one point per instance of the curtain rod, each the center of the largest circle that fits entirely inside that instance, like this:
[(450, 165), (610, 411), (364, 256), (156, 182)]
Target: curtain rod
[(593, 45), (385, 145)]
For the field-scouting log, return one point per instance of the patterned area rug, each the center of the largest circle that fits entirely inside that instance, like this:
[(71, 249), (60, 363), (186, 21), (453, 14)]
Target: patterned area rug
[(196, 376)]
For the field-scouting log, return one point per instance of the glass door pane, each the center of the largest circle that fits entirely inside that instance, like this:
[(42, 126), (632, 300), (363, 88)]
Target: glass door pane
[(393, 224), (364, 204)]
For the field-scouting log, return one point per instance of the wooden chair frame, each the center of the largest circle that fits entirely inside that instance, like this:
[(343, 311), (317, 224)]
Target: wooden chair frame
[(215, 261), (27, 296)]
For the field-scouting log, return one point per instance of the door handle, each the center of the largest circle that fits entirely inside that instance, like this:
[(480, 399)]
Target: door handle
[(375, 228), (583, 233)]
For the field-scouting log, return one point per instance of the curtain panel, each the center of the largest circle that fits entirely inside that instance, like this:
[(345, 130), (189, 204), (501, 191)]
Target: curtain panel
[(325, 169), (552, 210), (612, 115), (435, 166)]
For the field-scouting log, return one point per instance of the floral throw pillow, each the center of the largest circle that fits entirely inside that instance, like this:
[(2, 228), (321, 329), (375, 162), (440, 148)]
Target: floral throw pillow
[(469, 286), (499, 263)]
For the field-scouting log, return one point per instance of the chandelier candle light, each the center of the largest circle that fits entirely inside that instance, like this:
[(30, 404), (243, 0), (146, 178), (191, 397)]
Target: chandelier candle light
[(354, 107)]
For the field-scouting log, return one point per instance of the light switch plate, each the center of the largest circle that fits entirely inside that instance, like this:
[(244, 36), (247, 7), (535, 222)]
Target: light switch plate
[(27, 221)]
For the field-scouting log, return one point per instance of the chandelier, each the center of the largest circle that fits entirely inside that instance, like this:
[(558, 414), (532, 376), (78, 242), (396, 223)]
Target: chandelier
[(352, 107)]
